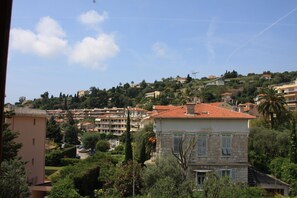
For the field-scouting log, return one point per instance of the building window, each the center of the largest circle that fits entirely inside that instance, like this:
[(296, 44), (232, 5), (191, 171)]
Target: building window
[(200, 177), (177, 143), (226, 145), (34, 121), (33, 141), (202, 145), (32, 162), (227, 173)]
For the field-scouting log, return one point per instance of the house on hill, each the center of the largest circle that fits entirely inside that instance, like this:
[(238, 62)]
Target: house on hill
[(218, 140), (221, 139)]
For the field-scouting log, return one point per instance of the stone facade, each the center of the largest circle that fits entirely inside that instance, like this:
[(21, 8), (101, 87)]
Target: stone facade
[(234, 163)]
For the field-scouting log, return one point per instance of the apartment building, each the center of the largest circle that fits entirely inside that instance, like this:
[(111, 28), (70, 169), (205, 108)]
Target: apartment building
[(31, 125), (290, 94), (117, 124)]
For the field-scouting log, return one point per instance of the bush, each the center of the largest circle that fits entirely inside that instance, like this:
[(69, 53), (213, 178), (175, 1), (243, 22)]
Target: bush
[(118, 150), (87, 181), (102, 145), (69, 152), (69, 161), (64, 188), (53, 158)]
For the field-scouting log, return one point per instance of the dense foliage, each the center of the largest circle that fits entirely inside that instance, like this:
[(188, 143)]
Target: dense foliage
[(13, 181), (244, 89), (53, 130)]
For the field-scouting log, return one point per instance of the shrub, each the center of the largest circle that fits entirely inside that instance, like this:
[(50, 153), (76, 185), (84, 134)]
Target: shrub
[(69, 152), (102, 145), (64, 188), (69, 161), (53, 158)]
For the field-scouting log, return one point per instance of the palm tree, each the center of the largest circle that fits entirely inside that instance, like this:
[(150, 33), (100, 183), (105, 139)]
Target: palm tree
[(272, 105)]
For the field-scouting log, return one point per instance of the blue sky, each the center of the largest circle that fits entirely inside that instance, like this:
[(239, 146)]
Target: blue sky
[(70, 45)]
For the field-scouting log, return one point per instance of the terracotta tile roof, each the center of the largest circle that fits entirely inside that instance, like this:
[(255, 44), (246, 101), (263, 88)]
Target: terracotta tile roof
[(136, 109), (161, 108), (203, 111), (216, 104)]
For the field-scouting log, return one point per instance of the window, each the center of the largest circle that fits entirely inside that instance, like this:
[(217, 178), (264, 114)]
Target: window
[(32, 161), (200, 177), (33, 141), (34, 121), (202, 145), (177, 143), (228, 173), (226, 145)]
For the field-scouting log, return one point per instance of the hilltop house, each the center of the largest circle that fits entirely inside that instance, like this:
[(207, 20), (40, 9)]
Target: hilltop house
[(221, 139)]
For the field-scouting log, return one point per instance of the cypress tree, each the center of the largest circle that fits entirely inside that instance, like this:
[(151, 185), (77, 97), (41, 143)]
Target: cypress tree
[(293, 143), (128, 147), (142, 157)]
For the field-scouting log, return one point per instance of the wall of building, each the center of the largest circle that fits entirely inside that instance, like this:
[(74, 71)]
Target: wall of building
[(32, 131), (191, 129), (203, 125)]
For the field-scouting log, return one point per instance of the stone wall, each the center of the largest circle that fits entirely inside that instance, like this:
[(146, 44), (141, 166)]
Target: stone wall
[(214, 160)]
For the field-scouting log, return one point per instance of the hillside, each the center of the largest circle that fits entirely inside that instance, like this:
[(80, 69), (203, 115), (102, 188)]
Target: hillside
[(167, 91)]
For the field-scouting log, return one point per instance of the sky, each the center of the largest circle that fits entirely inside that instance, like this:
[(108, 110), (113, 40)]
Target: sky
[(70, 45)]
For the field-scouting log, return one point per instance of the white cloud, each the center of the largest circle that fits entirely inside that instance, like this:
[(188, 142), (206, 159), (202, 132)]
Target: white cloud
[(48, 41), (92, 17), (92, 52), (160, 49)]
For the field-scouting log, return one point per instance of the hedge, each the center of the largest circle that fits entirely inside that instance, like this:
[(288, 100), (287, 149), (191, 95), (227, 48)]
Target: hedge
[(54, 157)]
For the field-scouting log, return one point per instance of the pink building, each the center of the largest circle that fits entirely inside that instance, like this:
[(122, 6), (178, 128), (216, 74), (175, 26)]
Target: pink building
[(31, 125)]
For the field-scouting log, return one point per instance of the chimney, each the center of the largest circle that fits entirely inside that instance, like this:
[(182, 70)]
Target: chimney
[(190, 108)]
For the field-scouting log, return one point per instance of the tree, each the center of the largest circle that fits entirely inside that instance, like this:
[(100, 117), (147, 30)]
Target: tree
[(13, 181), (165, 178), (215, 186), (22, 99), (189, 79), (71, 133), (293, 143), (145, 143), (185, 149), (124, 182), (90, 140), (102, 145), (142, 153), (272, 104), (265, 145), (10, 147), (70, 119), (128, 147), (53, 130)]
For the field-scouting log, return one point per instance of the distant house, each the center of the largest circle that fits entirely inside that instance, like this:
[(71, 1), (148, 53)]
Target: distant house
[(215, 82), (154, 94), (181, 79), (212, 77), (249, 108), (266, 76), (82, 93), (221, 137), (31, 125), (227, 97)]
